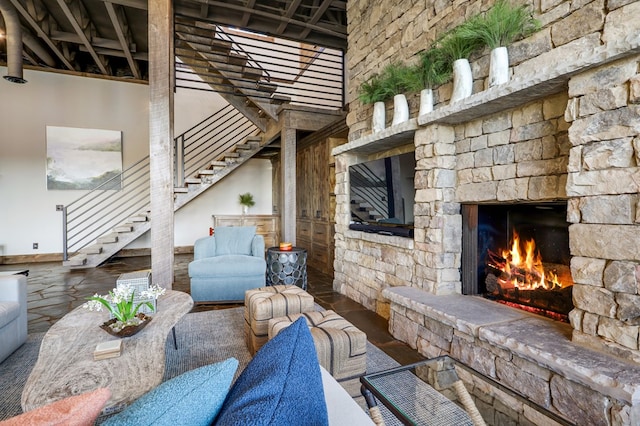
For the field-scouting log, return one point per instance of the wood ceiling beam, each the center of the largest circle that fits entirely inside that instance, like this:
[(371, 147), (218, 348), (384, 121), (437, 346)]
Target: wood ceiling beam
[(321, 29), (316, 17), (80, 31), (246, 16), (119, 21), (293, 7), (44, 36)]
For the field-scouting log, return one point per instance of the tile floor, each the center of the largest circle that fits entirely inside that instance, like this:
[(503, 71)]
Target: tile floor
[(55, 290)]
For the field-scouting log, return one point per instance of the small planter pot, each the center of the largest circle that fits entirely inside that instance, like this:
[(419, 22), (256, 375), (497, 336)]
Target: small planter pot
[(426, 101), (498, 66), (400, 109), (462, 80), (129, 330), (379, 117), (245, 209)]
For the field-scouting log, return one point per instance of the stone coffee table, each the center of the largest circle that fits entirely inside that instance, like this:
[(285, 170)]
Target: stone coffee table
[(65, 365)]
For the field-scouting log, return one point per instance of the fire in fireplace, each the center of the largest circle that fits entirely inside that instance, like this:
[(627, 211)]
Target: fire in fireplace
[(521, 257)]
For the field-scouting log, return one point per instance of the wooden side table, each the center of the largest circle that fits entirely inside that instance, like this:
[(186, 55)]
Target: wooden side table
[(287, 267)]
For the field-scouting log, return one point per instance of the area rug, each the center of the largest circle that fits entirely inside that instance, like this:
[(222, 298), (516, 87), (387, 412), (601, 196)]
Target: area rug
[(202, 338)]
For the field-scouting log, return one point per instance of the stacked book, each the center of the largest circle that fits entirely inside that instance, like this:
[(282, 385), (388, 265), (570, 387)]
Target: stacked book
[(110, 349)]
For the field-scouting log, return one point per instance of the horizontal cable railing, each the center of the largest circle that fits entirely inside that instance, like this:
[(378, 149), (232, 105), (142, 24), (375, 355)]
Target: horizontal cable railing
[(257, 66), (116, 201), (367, 188)]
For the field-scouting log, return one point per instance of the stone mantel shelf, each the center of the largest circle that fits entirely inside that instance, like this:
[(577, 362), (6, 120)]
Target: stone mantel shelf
[(530, 336), (518, 91)]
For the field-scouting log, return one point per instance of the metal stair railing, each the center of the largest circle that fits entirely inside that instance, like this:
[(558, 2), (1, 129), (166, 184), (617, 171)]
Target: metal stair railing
[(298, 73), (126, 195), (369, 188)]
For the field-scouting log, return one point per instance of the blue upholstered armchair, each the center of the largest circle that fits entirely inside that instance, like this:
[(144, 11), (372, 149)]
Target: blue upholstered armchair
[(227, 264)]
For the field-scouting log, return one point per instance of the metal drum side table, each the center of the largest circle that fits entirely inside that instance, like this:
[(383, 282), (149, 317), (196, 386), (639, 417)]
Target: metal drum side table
[(287, 267)]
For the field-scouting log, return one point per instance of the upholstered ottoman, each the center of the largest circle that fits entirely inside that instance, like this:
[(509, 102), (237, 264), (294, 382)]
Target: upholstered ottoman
[(341, 347), (264, 303)]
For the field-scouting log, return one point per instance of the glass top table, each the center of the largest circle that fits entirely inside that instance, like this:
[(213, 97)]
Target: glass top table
[(441, 391)]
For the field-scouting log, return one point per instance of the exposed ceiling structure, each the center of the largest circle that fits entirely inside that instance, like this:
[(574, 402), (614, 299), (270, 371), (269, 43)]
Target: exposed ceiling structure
[(110, 38)]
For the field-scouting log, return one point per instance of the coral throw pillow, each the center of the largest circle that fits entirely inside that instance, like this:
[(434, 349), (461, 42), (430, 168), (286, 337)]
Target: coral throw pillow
[(76, 410)]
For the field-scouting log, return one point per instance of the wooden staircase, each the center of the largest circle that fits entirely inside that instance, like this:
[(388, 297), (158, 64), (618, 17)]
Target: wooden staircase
[(211, 54), (121, 235)]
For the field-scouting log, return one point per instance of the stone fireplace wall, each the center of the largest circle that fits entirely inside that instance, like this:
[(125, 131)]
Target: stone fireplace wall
[(603, 185), (566, 127)]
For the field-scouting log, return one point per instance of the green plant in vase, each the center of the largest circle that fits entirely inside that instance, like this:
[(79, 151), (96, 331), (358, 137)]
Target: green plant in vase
[(246, 200), (500, 26), (433, 68), (373, 92), (396, 78), (457, 45)]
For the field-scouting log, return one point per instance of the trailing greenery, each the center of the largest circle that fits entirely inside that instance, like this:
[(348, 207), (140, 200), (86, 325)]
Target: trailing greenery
[(502, 24), (246, 199), (460, 42), (432, 69)]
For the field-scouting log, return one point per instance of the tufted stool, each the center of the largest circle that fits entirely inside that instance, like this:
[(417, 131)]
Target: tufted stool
[(341, 347), (264, 303)]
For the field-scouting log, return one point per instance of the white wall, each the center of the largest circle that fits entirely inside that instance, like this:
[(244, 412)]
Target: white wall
[(27, 208)]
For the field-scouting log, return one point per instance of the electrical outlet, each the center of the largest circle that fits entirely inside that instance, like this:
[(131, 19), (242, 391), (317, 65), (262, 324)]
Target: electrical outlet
[(35, 246)]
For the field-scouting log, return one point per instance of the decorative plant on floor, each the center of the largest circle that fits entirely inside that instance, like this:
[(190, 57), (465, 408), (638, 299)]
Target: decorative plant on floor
[(120, 302), (246, 200), (432, 69), (500, 26), (457, 45)]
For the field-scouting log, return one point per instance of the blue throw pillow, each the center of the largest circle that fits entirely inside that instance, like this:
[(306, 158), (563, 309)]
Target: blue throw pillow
[(282, 384), (192, 398)]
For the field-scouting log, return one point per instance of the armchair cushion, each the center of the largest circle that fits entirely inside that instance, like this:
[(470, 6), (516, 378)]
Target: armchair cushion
[(234, 240)]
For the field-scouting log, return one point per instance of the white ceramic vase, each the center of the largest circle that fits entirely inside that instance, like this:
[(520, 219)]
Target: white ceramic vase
[(426, 101), (379, 117), (462, 80), (245, 209), (498, 66), (400, 109)]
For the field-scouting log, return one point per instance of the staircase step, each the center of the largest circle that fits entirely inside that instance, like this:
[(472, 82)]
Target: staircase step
[(266, 86), (92, 249), (207, 172), (139, 218), (107, 239), (77, 260), (202, 43), (231, 154), (252, 73), (193, 181), (123, 228), (280, 99), (180, 190), (218, 164)]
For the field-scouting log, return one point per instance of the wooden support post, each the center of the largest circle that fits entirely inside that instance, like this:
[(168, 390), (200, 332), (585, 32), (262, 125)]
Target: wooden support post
[(161, 85), (288, 182)]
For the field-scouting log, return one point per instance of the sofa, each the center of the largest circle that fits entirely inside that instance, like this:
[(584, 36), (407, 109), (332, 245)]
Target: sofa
[(227, 264), (13, 313), (282, 385)]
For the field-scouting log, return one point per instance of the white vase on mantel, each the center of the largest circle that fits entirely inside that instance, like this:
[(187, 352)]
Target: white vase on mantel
[(379, 117), (245, 209), (426, 101), (462, 80), (400, 109), (498, 66)]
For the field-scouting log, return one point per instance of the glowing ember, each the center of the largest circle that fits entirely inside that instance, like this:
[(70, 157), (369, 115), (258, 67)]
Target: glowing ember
[(523, 269)]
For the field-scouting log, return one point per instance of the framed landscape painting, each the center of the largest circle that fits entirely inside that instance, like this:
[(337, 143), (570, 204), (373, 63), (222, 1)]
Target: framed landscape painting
[(83, 158)]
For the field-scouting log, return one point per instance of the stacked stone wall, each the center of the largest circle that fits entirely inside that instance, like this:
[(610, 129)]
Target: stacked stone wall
[(603, 183), (380, 34)]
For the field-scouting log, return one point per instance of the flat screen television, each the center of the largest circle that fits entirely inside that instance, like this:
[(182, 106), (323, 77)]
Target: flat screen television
[(382, 194)]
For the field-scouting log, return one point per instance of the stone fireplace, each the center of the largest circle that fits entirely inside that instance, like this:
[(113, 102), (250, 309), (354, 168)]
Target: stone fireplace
[(518, 254), (565, 131)]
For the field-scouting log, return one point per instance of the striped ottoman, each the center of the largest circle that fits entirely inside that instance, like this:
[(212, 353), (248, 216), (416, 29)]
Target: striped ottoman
[(341, 347), (264, 303)]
